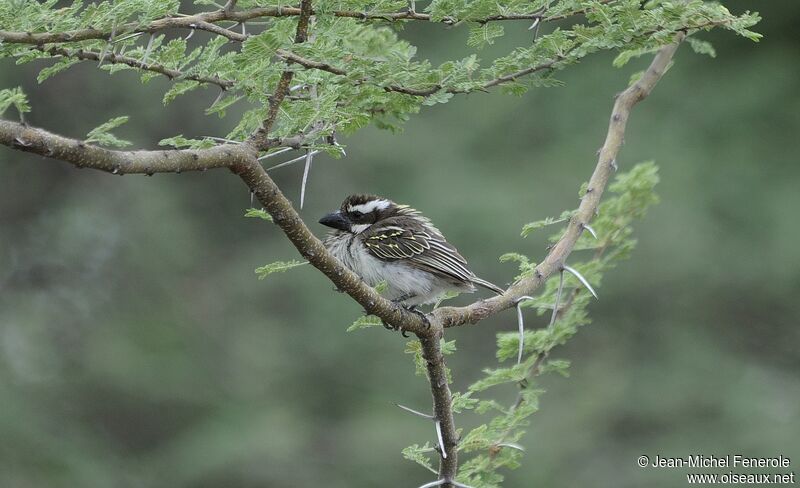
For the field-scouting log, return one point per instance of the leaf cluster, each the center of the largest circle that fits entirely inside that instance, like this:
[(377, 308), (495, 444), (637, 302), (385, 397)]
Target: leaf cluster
[(384, 80)]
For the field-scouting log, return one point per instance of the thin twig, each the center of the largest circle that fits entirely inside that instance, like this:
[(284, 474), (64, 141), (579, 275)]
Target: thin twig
[(135, 63)]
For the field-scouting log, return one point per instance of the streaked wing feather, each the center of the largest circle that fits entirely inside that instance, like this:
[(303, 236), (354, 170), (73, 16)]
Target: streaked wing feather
[(417, 244)]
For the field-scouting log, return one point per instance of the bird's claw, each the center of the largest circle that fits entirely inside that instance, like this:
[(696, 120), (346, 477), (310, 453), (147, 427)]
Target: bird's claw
[(403, 332), (421, 315)]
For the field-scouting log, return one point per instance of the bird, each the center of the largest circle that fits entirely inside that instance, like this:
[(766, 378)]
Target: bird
[(382, 241)]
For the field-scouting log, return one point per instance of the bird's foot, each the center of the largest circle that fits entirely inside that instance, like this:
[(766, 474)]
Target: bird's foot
[(413, 309)]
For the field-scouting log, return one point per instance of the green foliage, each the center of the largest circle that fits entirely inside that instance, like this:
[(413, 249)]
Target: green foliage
[(375, 58), (420, 455), (258, 213), (277, 267), (182, 142), (480, 35), (56, 68), (15, 97), (364, 322), (102, 134), (526, 267), (538, 224), (702, 47)]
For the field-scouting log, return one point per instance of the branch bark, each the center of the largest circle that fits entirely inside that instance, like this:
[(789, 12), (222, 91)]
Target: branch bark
[(442, 404), (38, 141)]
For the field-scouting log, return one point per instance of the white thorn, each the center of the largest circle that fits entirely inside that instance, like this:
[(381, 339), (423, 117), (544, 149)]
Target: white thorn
[(433, 483), (279, 151), (459, 485), (107, 45), (582, 280), (191, 33), (535, 23), (415, 412), (512, 446), (591, 231), (521, 325), (129, 36), (216, 100), (148, 48), (558, 299), (441, 439), (306, 170), (291, 161)]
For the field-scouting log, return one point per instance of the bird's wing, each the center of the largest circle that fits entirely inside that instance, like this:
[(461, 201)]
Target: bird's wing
[(418, 245)]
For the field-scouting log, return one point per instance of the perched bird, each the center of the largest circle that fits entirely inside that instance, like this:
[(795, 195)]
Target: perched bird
[(380, 240)]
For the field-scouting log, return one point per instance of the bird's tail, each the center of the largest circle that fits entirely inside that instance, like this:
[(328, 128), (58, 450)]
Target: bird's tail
[(488, 285)]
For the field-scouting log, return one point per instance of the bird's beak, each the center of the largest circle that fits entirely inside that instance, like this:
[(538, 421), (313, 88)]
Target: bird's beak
[(335, 220)]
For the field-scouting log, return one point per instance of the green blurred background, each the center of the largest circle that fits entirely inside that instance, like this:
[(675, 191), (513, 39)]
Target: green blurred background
[(137, 348)]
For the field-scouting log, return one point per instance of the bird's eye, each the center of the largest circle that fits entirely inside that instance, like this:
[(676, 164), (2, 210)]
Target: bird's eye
[(356, 214)]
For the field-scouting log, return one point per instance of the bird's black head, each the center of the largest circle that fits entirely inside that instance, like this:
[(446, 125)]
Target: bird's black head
[(358, 212)]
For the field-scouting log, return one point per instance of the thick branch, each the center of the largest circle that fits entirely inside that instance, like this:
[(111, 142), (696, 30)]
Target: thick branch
[(606, 164), (442, 404), (38, 141), (241, 159), (311, 248)]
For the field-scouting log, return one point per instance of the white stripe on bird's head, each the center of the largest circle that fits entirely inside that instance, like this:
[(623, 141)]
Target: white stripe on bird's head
[(370, 206)]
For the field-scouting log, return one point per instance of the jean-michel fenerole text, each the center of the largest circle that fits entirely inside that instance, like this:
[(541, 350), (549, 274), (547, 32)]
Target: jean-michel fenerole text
[(726, 461)]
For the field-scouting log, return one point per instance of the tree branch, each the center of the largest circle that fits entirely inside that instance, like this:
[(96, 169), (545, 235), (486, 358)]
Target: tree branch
[(442, 404), (606, 164), (38, 141), (113, 58), (418, 92), (206, 20)]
